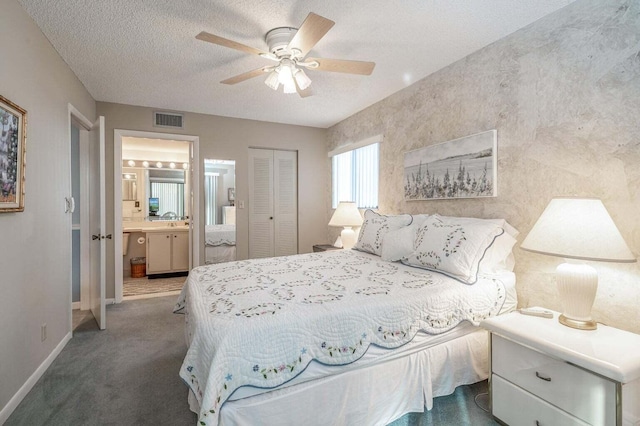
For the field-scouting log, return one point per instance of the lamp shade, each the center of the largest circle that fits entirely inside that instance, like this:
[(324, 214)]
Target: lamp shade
[(346, 214), (578, 228)]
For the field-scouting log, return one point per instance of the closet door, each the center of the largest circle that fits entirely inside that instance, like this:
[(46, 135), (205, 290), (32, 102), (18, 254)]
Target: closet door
[(273, 203), (261, 230), (285, 202)]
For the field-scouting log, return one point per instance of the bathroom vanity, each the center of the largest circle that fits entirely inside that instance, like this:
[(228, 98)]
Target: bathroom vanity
[(167, 250)]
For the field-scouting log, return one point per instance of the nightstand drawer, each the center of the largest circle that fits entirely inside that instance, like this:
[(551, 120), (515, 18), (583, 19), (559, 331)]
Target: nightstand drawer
[(583, 394), (514, 406)]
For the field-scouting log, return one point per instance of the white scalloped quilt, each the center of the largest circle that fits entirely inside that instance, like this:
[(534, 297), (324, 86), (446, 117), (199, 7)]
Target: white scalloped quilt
[(217, 235), (260, 322)]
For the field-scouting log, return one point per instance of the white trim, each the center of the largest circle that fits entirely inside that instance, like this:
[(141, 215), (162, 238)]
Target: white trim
[(84, 125), (350, 146), (82, 120), (194, 229), (33, 379), (75, 305)]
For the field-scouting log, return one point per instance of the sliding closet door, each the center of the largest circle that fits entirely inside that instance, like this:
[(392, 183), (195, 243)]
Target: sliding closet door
[(285, 203), (273, 203)]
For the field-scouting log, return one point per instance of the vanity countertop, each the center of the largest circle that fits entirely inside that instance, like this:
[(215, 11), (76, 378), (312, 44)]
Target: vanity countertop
[(165, 228), (154, 226)]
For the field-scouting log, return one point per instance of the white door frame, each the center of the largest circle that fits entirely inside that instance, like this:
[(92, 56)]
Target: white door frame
[(84, 125), (194, 228)]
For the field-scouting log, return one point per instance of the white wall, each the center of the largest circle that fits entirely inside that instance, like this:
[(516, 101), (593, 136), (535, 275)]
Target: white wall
[(229, 139), (35, 265)]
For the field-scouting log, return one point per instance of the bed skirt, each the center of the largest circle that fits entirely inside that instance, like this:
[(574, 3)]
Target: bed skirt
[(373, 395)]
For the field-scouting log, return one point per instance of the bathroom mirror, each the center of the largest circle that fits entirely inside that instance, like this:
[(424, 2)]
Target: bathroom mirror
[(219, 211), (129, 187)]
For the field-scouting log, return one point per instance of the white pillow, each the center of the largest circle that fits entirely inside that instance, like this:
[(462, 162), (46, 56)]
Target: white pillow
[(398, 244), (375, 227), (453, 248), (499, 255)]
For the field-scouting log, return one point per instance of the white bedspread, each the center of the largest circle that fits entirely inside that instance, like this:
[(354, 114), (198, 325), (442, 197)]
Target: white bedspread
[(261, 322), (217, 235)]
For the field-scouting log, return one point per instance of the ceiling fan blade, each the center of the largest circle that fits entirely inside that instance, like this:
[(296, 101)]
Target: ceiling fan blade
[(246, 76), (341, 65), (310, 32), (221, 41)]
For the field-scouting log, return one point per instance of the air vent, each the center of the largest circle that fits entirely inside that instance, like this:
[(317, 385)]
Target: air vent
[(168, 119)]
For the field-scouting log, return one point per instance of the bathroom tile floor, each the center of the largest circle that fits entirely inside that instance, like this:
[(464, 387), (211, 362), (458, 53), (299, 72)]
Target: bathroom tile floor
[(134, 287)]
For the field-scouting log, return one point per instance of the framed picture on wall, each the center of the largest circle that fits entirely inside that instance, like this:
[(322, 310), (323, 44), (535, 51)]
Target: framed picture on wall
[(232, 194), (461, 168), (13, 138)]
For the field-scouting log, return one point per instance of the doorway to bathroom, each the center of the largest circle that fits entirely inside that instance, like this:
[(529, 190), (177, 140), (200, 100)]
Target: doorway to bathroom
[(156, 207)]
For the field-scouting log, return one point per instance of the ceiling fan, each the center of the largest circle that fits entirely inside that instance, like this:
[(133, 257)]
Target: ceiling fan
[(289, 47)]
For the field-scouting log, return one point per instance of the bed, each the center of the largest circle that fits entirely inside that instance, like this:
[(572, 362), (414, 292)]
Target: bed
[(220, 240), (350, 336)]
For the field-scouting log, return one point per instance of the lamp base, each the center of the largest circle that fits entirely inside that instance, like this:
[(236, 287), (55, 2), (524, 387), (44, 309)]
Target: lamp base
[(349, 238), (577, 286), (579, 324)]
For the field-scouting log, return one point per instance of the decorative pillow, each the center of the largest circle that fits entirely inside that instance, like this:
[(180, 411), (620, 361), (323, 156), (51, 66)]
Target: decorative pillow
[(398, 244), (375, 227), (453, 248), (499, 255)]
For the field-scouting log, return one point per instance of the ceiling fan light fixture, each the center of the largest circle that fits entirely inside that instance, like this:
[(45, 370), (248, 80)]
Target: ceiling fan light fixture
[(285, 72), (290, 87), (272, 80), (302, 79)]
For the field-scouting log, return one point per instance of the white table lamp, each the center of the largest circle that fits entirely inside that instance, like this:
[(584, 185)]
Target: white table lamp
[(347, 216), (580, 229)]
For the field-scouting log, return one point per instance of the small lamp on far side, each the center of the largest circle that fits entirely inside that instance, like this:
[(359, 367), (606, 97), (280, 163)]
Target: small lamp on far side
[(347, 216), (577, 228)]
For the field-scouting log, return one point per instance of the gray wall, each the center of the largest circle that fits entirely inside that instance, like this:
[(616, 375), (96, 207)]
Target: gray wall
[(230, 138), (35, 284), (564, 95)]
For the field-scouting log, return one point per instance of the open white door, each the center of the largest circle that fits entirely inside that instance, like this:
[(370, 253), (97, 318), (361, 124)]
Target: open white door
[(97, 222)]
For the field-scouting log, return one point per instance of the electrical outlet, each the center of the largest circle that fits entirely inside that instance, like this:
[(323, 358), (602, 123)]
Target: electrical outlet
[(43, 332)]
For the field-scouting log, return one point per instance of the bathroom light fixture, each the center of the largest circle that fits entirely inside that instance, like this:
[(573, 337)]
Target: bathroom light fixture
[(172, 165), (131, 163), (145, 163), (577, 228), (185, 166), (159, 165)]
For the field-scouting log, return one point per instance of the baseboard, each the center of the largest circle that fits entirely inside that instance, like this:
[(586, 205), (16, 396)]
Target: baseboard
[(31, 381), (75, 305)]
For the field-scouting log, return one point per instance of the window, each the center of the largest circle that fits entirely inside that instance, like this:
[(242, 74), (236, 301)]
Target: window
[(355, 175)]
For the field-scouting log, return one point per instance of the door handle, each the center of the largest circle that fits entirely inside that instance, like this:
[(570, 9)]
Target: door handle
[(108, 237), (96, 237)]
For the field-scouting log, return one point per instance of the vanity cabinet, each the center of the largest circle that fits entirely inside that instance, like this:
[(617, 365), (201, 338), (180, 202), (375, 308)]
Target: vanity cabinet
[(167, 252)]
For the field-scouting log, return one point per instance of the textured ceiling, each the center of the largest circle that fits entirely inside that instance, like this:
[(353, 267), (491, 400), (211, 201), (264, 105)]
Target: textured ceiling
[(145, 53)]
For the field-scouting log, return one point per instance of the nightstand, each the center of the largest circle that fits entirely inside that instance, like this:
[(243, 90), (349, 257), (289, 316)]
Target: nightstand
[(544, 373), (324, 247)]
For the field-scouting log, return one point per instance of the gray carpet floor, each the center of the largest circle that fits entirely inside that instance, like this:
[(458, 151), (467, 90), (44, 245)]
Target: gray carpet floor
[(128, 375)]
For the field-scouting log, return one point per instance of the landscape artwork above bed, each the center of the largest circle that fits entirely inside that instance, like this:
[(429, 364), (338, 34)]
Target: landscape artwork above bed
[(461, 168)]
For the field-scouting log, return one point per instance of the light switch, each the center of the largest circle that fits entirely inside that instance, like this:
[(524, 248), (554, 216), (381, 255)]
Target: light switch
[(241, 204)]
